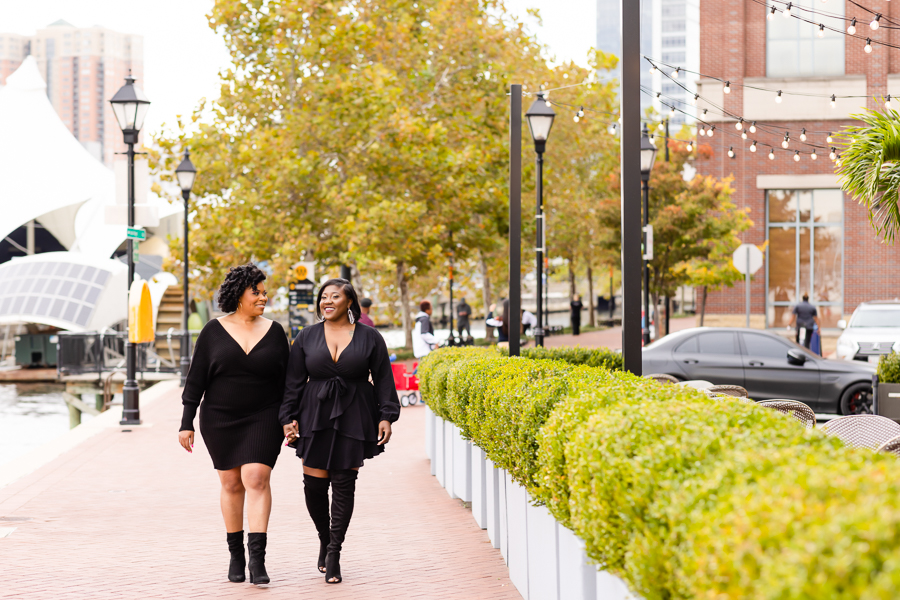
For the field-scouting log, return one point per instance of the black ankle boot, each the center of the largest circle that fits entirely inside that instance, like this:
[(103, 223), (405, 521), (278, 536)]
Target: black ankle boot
[(256, 542), (237, 564), (343, 490), (316, 491)]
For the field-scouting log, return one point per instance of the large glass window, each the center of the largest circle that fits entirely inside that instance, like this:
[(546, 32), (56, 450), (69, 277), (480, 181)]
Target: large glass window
[(805, 253), (793, 47)]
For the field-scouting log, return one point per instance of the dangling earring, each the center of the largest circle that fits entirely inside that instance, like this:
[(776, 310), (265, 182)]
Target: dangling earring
[(350, 316)]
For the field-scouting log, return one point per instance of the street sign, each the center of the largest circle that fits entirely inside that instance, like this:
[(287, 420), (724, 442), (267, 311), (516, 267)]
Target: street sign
[(304, 270), (745, 253), (136, 234), (301, 297)]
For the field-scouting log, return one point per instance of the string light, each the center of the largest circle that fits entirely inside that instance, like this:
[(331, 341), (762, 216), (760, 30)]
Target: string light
[(690, 147), (786, 142), (730, 151), (875, 22), (672, 111), (887, 103), (743, 135), (787, 10), (753, 146), (753, 127), (833, 101), (832, 155), (705, 110), (821, 30), (702, 131), (868, 47), (694, 101), (612, 129), (676, 72), (778, 97), (711, 130), (814, 156), (771, 14), (727, 88), (803, 134), (829, 139), (740, 124), (796, 156), (771, 154), (852, 29), (653, 69)]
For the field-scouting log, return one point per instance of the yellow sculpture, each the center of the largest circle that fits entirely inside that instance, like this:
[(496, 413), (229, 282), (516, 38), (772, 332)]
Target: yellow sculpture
[(140, 314)]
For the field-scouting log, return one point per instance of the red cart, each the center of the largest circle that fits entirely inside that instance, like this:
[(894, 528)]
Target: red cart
[(407, 384)]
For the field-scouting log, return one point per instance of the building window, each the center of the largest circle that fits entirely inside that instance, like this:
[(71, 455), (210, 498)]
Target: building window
[(670, 26), (673, 57), (805, 253), (794, 49), (673, 42)]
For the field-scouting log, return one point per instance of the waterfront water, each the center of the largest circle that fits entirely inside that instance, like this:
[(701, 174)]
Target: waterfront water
[(31, 414)]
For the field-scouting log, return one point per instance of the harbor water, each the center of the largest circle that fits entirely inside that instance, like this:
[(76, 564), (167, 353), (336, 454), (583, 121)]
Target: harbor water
[(31, 414)]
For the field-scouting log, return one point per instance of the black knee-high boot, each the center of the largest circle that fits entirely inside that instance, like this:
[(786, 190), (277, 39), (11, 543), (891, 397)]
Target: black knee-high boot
[(343, 489), (256, 542), (316, 491), (238, 562)]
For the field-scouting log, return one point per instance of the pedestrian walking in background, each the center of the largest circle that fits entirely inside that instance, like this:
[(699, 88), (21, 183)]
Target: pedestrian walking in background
[(423, 333), (238, 371), (365, 304), (336, 416), (805, 316), (463, 312), (575, 306)]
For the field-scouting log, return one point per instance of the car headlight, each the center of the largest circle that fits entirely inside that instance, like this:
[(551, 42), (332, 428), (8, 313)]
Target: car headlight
[(847, 347), (895, 347)]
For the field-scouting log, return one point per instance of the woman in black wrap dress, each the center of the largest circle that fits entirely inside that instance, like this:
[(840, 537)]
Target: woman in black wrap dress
[(336, 416), (238, 370)]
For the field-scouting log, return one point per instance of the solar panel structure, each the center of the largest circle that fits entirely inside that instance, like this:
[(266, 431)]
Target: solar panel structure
[(57, 290)]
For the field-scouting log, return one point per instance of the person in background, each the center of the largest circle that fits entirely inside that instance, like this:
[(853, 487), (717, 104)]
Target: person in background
[(576, 307), (463, 312), (364, 305), (423, 333), (806, 316)]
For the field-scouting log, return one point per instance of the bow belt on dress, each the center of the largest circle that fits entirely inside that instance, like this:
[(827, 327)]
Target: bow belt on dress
[(337, 388)]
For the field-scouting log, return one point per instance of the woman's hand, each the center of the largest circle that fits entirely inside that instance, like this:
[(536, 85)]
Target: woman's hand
[(186, 439), (291, 431), (384, 432)]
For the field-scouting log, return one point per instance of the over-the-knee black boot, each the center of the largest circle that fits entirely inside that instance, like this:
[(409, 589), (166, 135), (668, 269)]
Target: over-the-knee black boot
[(343, 489), (316, 491), (238, 562), (256, 542)]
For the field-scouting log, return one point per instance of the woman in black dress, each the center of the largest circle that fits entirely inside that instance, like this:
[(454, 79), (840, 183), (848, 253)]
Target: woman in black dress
[(336, 416), (238, 369)]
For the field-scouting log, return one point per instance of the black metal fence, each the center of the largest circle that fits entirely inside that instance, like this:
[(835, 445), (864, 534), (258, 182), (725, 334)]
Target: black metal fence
[(98, 352)]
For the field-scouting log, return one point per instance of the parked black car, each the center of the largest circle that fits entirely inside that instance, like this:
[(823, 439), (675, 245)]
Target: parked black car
[(766, 364)]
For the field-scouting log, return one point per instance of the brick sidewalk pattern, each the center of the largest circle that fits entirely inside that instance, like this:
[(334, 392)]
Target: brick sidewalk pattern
[(131, 515)]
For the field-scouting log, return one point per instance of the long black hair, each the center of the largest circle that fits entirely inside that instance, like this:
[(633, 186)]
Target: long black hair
[(236, 282), (348, 289)]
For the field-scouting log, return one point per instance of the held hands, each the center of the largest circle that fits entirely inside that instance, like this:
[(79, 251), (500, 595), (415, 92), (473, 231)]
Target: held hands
[(186, 439), (291, 432), (384, 432)]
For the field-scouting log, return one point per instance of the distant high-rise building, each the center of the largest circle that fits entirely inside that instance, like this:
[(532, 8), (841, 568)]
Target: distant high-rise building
[(83, 68)]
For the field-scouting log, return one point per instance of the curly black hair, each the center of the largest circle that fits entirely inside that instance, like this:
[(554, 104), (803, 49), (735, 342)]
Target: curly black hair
[(236, 283), (348, 290)]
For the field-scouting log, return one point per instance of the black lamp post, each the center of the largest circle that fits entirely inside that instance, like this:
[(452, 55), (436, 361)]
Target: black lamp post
[(540, 119), (648, 156), (185, 173), (130, 106)]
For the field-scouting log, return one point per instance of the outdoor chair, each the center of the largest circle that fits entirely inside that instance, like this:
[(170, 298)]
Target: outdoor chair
[(862, 431), (697, 384), (729, 390), (662, 378), (798, 410), (892, 446)]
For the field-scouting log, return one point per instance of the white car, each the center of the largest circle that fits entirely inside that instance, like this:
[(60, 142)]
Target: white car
[(873, 330)]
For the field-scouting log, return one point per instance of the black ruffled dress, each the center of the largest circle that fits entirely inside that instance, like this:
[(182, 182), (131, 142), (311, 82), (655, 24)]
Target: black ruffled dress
[(335, 404)]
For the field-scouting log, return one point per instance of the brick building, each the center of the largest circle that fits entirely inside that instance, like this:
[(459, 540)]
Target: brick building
[(83, 68), (818, 240)]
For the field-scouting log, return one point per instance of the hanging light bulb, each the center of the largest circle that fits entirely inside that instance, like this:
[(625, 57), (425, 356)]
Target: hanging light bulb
[(832, 155), (829, 139), (868, 47), (771, 154), (702, 131), (612, 129), (727, 88), (581, 111), (689, 147), (661, 126), (740, 124), (787, 10), (730, 151), (803, 134), (796, 156), (658, 94), (705, 110), (547, 101), (821, 30), (852, 29), (575, 118), (786, 142), (771, 14), (814, 156), (653, 69), (694, 101), (833, 101), (887, 103), (711, 130), (875, 22), (778, 97), (752, 127), (672, 110), (676, 72), (743, 135), (753, 146)]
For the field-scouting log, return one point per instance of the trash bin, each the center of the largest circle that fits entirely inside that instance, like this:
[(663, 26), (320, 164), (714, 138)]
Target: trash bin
[(38, 350)]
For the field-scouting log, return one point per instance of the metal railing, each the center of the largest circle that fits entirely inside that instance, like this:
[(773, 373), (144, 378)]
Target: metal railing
[(104, 351)]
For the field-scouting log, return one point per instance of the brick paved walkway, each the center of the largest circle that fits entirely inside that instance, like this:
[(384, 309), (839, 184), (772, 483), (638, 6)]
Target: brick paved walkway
[(133, 516)]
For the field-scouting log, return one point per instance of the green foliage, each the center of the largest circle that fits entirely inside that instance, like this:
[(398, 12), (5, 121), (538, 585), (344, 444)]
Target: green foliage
[(576, 355), (682, 495), (889, 368)]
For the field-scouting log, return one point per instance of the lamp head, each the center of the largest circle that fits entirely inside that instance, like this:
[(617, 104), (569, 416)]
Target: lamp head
[(185, 173), (130, 105), (540, 119), (648, 154)]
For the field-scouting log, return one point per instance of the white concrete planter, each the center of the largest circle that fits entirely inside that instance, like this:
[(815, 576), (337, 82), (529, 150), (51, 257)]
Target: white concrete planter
[(438, 462), (577, 576), (543, 552), (448, 458), (429, 436), (492, 483), (462, 466), (517, 535), (610, 587), (504, 515), (479, 494)]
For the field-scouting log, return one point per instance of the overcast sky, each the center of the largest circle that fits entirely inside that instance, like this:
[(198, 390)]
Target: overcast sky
[(182, 55)]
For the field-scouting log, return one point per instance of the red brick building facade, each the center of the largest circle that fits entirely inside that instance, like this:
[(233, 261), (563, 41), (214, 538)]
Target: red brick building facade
[(835, 257)]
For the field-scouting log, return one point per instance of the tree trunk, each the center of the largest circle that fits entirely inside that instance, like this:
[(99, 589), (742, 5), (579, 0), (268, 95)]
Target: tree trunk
[(590, 277), (702, 306), (654, 309), (572, 290), (485, 294), (356, 277), (404, 303)]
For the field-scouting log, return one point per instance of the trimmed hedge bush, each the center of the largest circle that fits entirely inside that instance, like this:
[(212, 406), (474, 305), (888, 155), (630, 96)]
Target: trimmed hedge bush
[(889, 368), (682, 495), (590, 357)]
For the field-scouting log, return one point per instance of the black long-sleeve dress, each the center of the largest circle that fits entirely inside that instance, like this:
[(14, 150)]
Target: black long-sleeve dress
[(241, 395), (336, 406)]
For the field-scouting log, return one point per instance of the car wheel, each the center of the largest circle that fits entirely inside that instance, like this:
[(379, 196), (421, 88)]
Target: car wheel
[(857, 400)]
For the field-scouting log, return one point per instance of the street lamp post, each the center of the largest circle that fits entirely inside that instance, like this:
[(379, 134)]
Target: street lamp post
[(130, 106), (185, 173), (540, 119), (648, 156)]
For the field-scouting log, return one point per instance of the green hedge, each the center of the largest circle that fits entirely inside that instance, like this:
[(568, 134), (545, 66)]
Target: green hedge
[(590, 357), (682, 495), (889, 368)]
